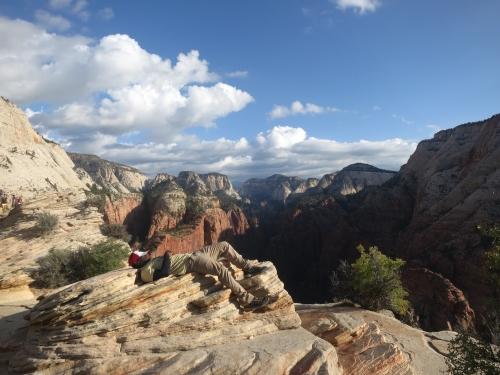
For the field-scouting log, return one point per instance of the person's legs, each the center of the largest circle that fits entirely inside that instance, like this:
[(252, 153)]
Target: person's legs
[(202, 262), (224, 251)]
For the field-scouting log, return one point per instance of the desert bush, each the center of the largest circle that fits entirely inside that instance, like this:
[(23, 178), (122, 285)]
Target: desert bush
[(53, 268), (470, 356), (117, 231), (63, 266), (46, 222), (373, 281), (100, 258)]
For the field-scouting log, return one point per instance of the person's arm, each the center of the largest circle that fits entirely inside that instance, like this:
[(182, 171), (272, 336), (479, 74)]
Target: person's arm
[(165, 268)]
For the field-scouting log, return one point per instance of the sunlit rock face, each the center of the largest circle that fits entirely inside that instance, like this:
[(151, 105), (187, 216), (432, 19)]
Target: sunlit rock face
[(176, 325), (29, 164), (114, 177)]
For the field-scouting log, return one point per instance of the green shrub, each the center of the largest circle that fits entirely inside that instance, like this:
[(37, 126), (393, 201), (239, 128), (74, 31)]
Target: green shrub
[(469, 356), (63, 266), (117, 231), (46, 222), (373, 281), (100, 258)]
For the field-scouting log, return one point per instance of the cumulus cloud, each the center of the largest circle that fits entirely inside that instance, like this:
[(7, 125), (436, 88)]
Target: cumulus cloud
[(361, 6), (51, 21), (282, 149), (297, 108), (111, 86)]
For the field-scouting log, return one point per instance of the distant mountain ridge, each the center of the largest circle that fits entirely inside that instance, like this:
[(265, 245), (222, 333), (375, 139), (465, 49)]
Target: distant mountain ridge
[(349, 180)]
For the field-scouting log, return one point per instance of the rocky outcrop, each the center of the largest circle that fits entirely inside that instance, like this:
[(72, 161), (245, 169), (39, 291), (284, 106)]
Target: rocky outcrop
[(115, 177), (30, 164), (356, 177), (450, 308), (176, 325), (219, 183), (427, 214), (166, 202), (371, 343), (190, 206), (213, 226)]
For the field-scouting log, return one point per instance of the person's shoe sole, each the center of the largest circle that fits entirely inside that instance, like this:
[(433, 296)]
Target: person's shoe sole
[(267, 300)]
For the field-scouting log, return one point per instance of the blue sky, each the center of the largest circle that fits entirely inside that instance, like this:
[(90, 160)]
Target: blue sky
[(388, 72)]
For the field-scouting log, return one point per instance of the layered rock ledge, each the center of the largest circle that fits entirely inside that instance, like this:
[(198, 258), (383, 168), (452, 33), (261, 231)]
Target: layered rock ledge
[(111, 324), (373, 343)]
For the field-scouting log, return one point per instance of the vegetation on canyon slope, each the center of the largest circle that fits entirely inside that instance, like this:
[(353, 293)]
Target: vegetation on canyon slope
[(373, 281)]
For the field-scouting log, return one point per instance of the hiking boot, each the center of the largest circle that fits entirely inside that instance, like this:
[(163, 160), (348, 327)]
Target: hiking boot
[(257, 303), (254, 270)]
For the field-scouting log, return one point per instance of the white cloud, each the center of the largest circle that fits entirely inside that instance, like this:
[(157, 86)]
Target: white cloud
[(361, 6), (111, 86), (51, 21), (297, 108), (238, 74), (106, 13), (282, 149)]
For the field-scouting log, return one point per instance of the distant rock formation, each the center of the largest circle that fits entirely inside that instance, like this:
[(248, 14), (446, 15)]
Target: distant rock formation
[(219, 183), (172, 200), (30, 164), (213, 226), (349, 180), (274, 188), (115, 177)]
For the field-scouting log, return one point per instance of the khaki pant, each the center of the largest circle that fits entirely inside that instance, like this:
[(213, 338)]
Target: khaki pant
[(208, 260)]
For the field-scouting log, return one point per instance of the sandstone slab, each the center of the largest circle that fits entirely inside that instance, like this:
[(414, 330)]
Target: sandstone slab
[(111, 324)]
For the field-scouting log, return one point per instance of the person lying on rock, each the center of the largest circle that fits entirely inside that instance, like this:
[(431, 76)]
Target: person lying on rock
[(207, 260)]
